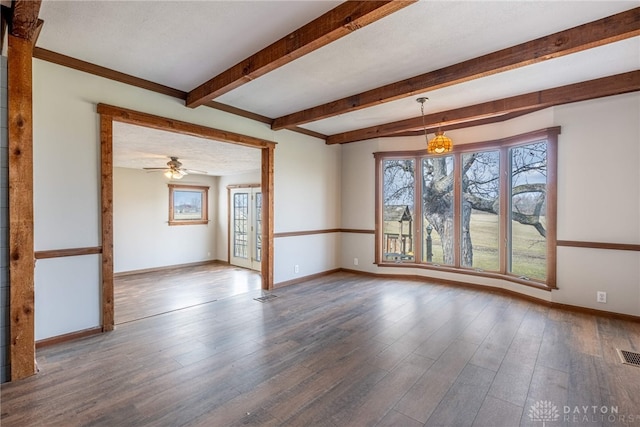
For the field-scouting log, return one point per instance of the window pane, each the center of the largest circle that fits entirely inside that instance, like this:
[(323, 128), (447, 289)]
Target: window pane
[(240, 224), (258, 226), (437, 209), (480, 209), (398, 185), (528, 211)]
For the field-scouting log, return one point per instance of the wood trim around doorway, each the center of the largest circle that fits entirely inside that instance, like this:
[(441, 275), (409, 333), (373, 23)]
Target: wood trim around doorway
[(109, 114)]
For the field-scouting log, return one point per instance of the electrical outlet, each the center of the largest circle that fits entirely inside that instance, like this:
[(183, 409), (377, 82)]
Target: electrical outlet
[(296, 268), (601, 297), (355, 261)]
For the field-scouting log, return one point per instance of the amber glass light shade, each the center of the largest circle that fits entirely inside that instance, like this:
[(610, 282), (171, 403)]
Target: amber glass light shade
[(439, 144)]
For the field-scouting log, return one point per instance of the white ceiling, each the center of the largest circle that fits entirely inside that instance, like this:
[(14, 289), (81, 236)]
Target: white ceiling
[(182, 44), (140, 147)]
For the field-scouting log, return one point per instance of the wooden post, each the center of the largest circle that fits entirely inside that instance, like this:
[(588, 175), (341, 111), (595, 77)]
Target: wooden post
[(106, 155), (267, 218), (21, 246)]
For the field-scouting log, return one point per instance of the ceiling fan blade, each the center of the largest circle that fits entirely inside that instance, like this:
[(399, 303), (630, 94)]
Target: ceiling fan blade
[(195, 171), (154, 169)]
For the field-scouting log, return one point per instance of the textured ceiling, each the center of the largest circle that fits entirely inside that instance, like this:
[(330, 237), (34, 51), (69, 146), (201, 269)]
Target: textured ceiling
[(182, 44), (141, 147)]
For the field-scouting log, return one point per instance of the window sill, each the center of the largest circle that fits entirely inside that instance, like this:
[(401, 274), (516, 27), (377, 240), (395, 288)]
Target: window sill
[(509, 278)]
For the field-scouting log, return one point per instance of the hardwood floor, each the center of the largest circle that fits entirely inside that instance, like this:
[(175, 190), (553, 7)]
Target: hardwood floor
[(342, 350), (148, 294)]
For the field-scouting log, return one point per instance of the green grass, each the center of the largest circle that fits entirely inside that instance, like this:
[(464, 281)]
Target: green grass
[(529, 248)]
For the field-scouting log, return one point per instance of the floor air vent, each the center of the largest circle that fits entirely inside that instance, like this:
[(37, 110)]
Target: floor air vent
[(629, 357), (266, 298)]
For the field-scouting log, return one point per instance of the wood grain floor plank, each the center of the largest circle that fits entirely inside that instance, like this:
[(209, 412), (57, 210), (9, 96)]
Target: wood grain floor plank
[(339, 350), (451, 322), (461, 404), (386, 393), (547, 385), (246, 404), (326, 379), (395, 419), (511, 383), (423, 398), (494, 347), (346, 394), (497, 413), (584, 334), (148, 294), (555, 346)]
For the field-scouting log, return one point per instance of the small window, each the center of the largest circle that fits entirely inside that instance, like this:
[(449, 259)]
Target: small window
[(188, 204)]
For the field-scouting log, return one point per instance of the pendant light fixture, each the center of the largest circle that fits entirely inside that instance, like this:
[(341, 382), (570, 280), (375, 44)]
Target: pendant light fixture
[(439, 144)]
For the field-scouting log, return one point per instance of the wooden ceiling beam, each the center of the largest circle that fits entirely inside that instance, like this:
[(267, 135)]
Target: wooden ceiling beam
[(338, 22), (606, 86), (597, 33)]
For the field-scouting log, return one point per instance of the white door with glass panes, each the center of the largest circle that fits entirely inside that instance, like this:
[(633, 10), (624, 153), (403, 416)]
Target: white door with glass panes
[(245, 232)]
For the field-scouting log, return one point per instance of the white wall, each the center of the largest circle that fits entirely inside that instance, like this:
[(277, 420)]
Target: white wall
[(307, 197), (142, 237), (598, 200), (65, 295), (67, 185)]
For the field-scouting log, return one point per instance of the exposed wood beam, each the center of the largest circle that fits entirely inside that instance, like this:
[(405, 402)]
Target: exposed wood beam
[(24, 19), (597, 33), (338, 22), (97, 70), (606, 86), (238, 112)]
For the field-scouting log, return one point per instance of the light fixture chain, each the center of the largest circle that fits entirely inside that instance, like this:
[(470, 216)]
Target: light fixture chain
[(424, 126)]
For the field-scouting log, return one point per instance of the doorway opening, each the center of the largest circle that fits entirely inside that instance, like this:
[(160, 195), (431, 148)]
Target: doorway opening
[(110, 114)]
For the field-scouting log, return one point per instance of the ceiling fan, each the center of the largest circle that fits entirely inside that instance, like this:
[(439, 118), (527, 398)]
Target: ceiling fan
[(174, 169)]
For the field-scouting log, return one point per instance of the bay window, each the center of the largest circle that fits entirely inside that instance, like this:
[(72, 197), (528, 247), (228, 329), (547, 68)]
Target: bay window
[(485, 209)]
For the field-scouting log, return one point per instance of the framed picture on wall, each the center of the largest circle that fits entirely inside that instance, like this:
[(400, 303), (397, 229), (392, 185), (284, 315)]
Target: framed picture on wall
[(188, 204)]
